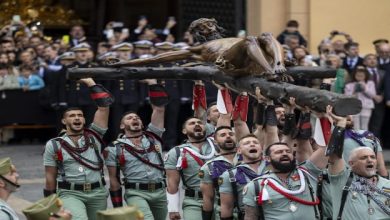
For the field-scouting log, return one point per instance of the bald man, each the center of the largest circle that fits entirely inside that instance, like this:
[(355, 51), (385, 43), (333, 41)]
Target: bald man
[(357, 192)]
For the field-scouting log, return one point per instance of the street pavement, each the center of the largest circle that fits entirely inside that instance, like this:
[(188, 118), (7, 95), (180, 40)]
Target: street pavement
[(28, 161)]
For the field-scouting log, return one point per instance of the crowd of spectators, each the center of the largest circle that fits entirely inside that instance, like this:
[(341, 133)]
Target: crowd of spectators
[(31, 61)]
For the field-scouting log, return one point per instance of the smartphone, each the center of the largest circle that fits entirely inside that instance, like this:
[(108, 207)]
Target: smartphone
[(16, 19), (65, 39)]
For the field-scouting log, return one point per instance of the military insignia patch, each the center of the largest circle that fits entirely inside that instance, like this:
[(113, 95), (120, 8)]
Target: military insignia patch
[(295, 177), (220, 181), (166, 156), (201, 174)]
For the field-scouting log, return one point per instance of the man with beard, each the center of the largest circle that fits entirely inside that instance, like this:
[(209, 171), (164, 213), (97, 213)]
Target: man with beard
[(73, 165), (233, 181), (211, 171), (357, 192), (183, 163), (8, 184), (137, 154), (287, 191), (358, 138)]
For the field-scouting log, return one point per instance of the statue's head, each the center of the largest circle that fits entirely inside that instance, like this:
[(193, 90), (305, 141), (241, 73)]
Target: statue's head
[(205, 29)]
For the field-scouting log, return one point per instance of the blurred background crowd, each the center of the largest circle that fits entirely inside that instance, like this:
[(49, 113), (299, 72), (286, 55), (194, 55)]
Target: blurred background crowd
[(32, 61)]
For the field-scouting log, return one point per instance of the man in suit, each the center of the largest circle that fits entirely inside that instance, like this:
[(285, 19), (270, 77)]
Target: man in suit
[(377, 75), (383, 53), (77, 35), (352, 60)]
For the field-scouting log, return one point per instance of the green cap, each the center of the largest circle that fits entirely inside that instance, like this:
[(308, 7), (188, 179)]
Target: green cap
[(122, 213), (42, 208), (5, 165)]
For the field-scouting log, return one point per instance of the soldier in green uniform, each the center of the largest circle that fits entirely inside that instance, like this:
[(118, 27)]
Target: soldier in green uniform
[(357, 191), (47, 208), (225, 140), (8, 184), (211, 170), (137, 154), (233, 181), (183, 162), (73, 164), (357, 138)]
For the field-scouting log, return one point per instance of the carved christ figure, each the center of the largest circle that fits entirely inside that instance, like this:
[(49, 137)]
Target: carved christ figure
[(252, 55)]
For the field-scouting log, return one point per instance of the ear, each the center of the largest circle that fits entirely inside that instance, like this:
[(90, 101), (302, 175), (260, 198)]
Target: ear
[(2, 183), (350, 163), (63, 121), (267, 158), (122, 126), (184, 131)]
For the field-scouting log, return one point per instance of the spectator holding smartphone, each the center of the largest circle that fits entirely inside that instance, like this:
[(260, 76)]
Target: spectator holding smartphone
[(364, 90)]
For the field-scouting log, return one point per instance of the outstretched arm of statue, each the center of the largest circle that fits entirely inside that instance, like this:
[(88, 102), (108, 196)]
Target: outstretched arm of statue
[(161, 58)]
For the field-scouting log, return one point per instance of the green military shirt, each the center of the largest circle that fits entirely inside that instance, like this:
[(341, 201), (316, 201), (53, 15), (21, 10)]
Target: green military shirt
[(356, 205), (6, 212), (74, 171), (350, 144), (210, 129), (279, 207), (190, 174), (226, 184), (134, 170), (326, 199)]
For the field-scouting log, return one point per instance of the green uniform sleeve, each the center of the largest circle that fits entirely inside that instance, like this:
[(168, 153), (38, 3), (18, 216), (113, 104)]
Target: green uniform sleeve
[(313, 169), (170, 159), (4, 215), (204, 174), (249, 194), (100, 131), (209, 129), (158, 131), (339, 180), (48, 155), (111, 158), (225, 186)]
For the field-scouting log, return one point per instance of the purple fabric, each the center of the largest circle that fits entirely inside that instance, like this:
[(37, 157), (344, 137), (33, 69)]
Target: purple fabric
[(242, 172), (219, 166), (350, 133)]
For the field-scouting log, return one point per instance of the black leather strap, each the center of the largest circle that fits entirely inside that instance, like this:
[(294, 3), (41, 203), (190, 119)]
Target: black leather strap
[(80, 187), (345, 194), (144, 186), (192, 193)]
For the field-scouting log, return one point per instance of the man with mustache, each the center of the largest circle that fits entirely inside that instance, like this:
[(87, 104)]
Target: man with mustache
[(357, 191), (137, 154), (358, 138), (8, 184), (73, 164), (233, 181), (183, 163), (287, 191)]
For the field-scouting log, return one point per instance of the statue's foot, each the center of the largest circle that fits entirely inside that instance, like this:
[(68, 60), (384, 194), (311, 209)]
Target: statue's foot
[(285, 78), (280, 69), (112, 62)]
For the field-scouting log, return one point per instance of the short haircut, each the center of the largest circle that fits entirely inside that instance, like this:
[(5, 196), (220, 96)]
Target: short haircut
[(3, 66), (268, 149), (356, 150), (292, 23), (27, 67), (189, 118), (369, 55), (128, 112), (221, 128), (209, 108), (347, 46), (70, 109), (247, 136)]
